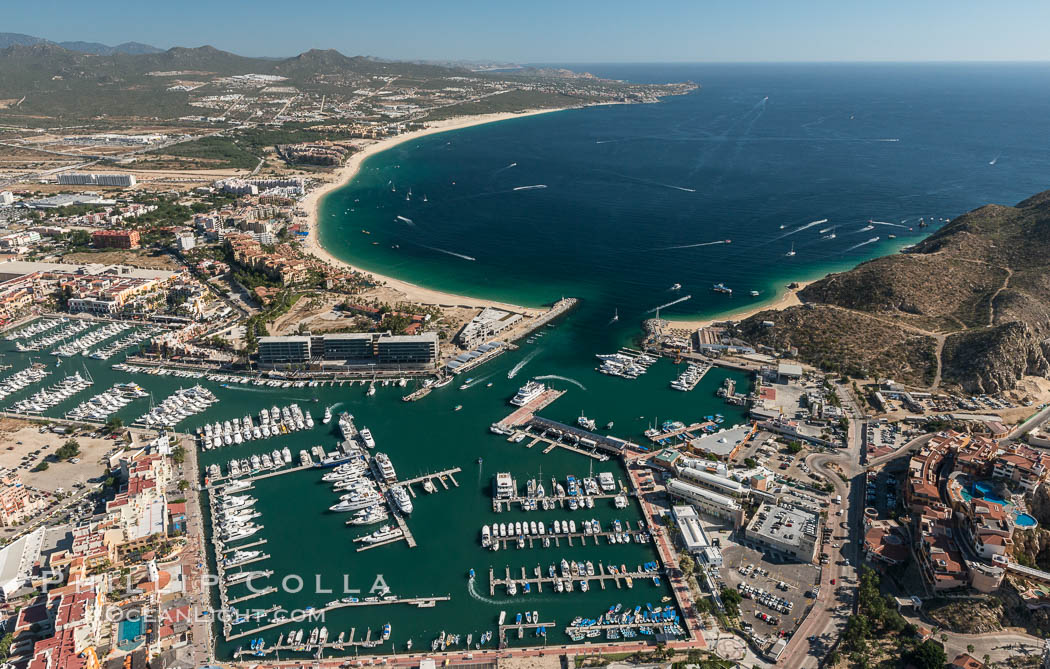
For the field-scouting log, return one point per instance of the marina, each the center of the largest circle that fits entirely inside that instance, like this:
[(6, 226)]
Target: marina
[(567, 581), (434, 450)]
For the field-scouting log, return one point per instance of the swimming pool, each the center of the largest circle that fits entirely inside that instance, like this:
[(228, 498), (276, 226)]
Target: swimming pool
[(986, 490), (128, 631), (1024, 520)]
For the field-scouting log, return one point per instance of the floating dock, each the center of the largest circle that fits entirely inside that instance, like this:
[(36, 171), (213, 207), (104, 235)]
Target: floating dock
[(556, 540), (538, 579), (525, 413)]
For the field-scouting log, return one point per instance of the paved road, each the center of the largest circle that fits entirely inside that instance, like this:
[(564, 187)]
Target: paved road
[(824, 620)]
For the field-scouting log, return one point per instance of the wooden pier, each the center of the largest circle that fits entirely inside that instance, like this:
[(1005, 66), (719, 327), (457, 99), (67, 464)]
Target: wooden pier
[(242, 547)]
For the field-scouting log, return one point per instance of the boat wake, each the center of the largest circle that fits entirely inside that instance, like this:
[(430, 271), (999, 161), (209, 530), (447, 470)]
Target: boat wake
[(857, 246), (502, 169), (476, 381), (690, 246), (566, 379), (896, 225), (406, 219), (530, 187), (524, 361), (670, 304), (801, 228), (994, 160), (825, 230), (451, 253), (866, 228)]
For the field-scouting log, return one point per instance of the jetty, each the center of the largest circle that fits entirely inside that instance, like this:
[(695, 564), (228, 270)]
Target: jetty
[(526, 412)]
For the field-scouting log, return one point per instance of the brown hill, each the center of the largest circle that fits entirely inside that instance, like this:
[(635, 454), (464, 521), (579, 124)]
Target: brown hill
[(978, 290)]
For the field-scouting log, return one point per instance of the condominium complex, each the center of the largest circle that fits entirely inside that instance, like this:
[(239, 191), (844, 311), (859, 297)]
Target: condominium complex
[(349, 350), (115, 239)]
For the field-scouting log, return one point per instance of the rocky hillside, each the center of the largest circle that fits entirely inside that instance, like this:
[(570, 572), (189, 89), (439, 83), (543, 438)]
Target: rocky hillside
[(979, 288)]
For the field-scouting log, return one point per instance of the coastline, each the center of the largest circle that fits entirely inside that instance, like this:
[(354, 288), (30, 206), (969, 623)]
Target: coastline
[(789, 298), (410, 292)]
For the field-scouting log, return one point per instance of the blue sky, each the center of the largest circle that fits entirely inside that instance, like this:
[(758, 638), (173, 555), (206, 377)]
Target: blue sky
[(564, 31)]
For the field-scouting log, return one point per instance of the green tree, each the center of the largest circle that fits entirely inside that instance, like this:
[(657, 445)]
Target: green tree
[(731, 600), (178, 454), (184, 485), (41, 466), (687, 565), (68, 450), (750, 462), (114, 424), (794, 447), (970, 648), (928, 655), (5, 645)]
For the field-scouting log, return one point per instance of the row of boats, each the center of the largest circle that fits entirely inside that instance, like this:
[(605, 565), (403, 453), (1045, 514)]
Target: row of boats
[(49, 397), (105, 404), (35, 328), (627, 624), (272, 423), (82, 344), (571, 572), (255, 463), (492, 534), (445, 640), (688, 379), (21, 380), (175, 408), (234, 514), (71, 329), (625, 364), (137, 337)]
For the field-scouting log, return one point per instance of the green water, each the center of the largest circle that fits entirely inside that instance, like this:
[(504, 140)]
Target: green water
[(305, 539)]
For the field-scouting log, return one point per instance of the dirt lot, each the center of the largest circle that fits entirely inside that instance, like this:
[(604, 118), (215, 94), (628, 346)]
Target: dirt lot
[(143, 259), (21, 440)]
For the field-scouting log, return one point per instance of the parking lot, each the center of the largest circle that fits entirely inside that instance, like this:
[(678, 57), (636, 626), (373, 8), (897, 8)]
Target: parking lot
[(775, 589)]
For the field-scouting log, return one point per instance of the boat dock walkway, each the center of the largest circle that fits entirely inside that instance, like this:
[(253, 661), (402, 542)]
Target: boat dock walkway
[(688, 431), (265, 591), (438, 476), (520, 627), (242, 547), (317, 614), (305, 647), (538, 580), (532, 540), (525, 413)]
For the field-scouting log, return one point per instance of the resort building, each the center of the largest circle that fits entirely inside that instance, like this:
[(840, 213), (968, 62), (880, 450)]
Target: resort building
[(707, 502), (287, 350), (785, 530), (713, 482), (489, 323)]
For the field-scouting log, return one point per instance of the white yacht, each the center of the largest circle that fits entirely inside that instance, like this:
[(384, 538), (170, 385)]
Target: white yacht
[(527, 393), (366, 438)]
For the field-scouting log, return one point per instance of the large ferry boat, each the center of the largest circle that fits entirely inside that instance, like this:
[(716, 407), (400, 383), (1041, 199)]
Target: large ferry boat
[(527, 393)]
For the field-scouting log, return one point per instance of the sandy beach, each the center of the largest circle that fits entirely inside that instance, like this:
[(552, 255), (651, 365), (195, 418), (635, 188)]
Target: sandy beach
[(410, 291), (787, 299)]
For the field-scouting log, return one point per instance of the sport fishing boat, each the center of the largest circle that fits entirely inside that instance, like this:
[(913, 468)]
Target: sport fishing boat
[(327, 416), (721, 288)]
